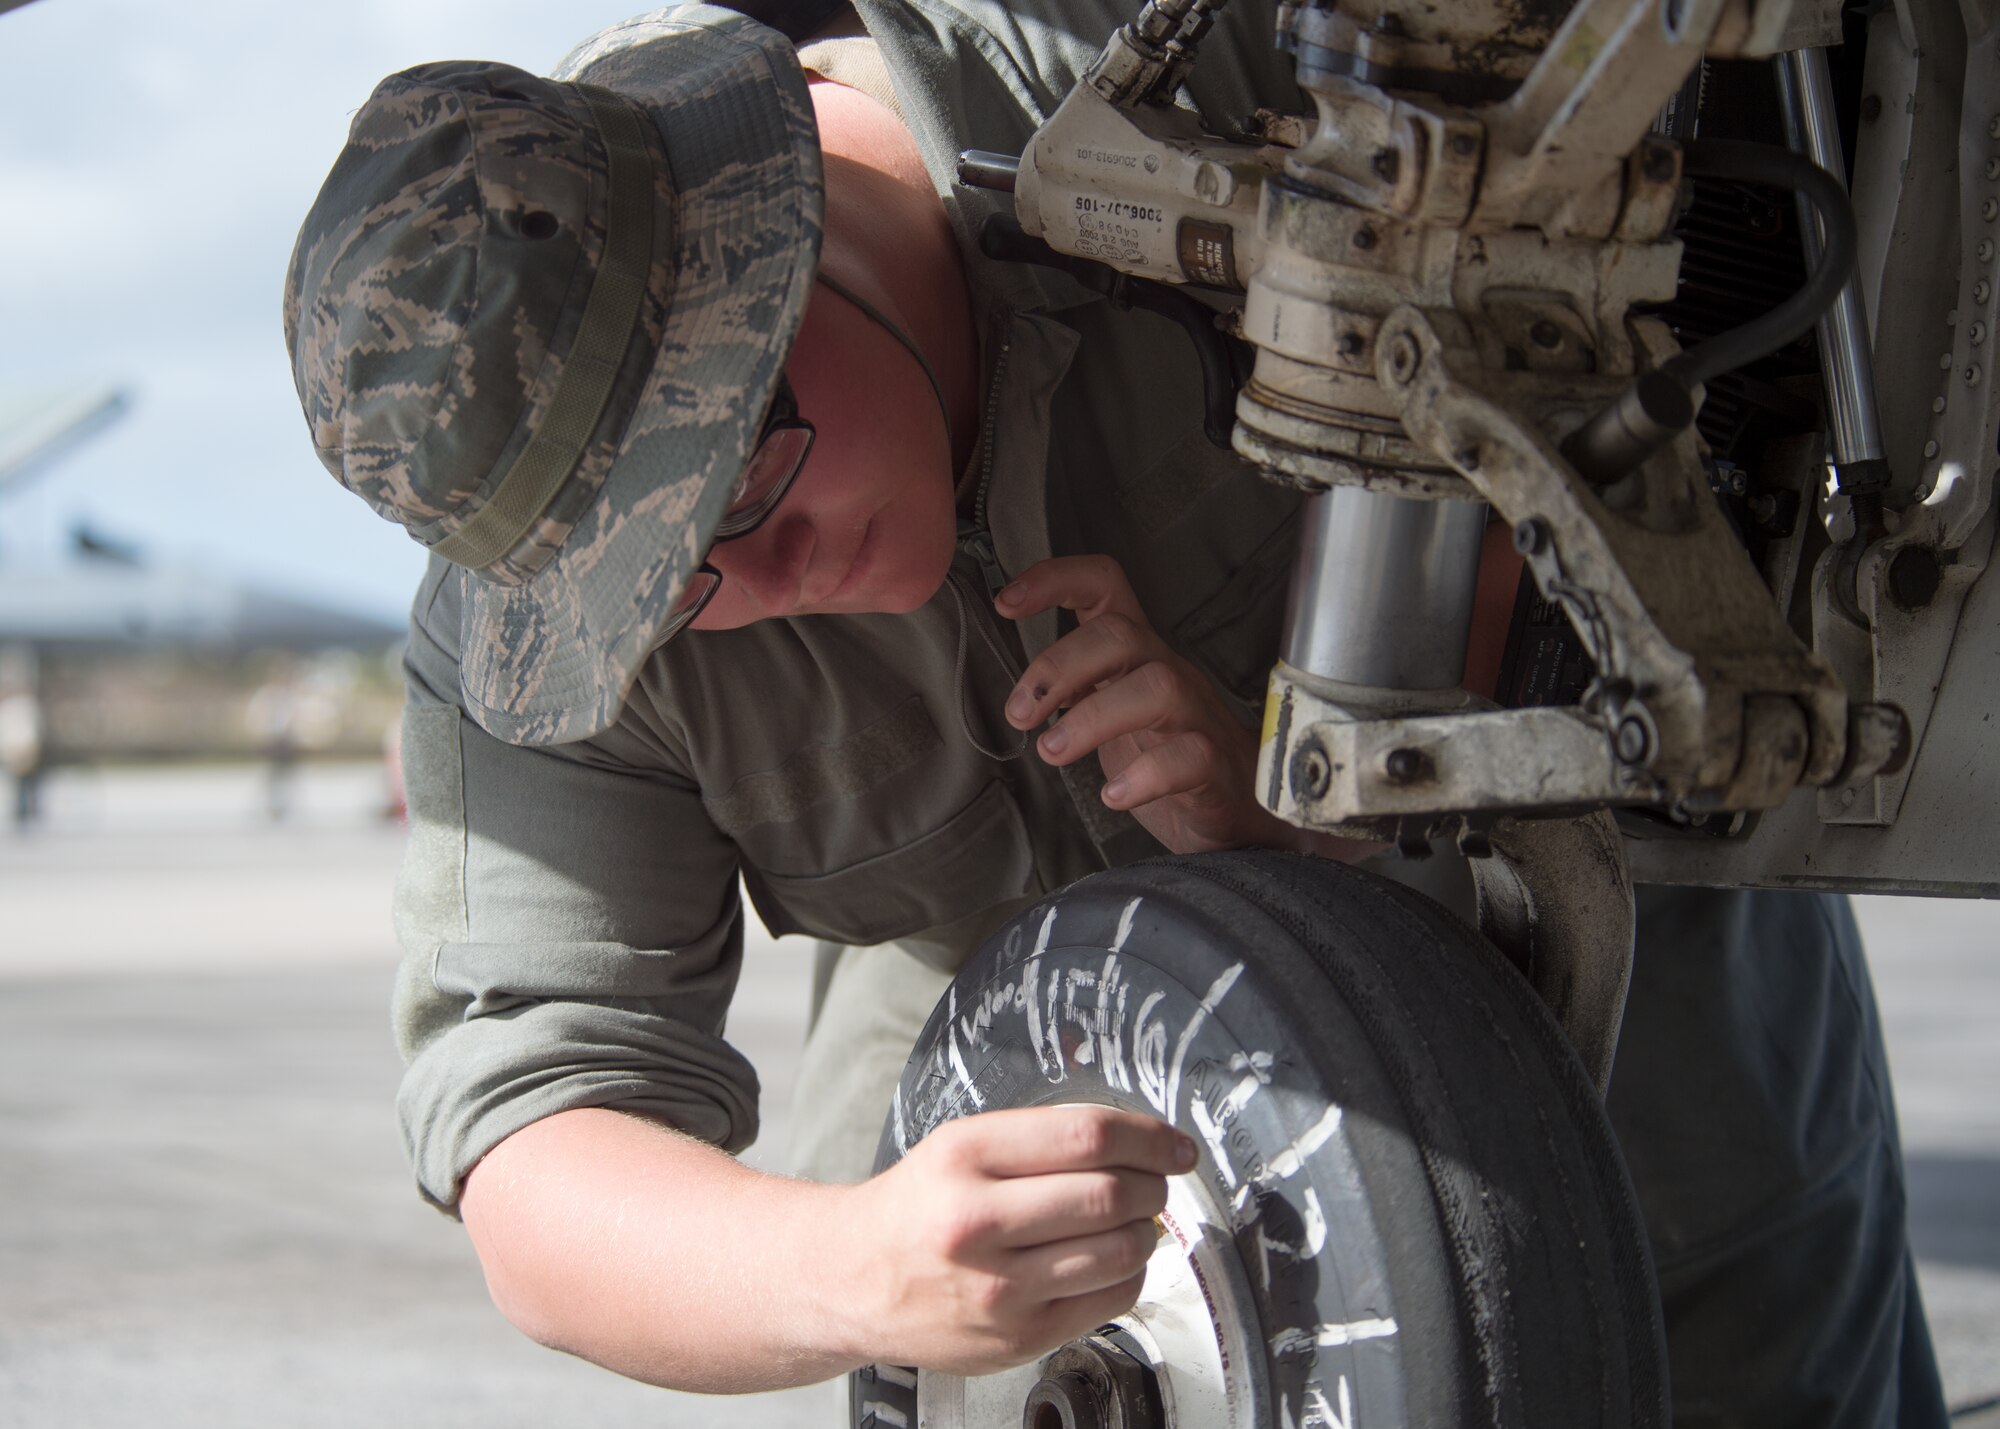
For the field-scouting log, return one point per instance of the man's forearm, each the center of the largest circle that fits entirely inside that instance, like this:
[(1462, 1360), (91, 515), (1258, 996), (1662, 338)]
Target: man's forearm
[(658, 1256)]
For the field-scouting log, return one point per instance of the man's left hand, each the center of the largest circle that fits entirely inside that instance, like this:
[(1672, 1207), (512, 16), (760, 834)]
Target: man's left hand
[(1173, 752)]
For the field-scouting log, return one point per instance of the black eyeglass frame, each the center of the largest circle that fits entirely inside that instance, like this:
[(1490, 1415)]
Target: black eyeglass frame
[(740, 520)]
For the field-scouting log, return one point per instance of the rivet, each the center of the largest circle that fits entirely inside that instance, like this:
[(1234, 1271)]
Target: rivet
[(1930, 450), (1984, 250), (1993, 168), (1944, 362), (1976, 334), (1951, 318), (1545, 334), (1937, 404), (1972, 375), (1364, 239), (1993, 127), (1981, 291), (1990, 209)]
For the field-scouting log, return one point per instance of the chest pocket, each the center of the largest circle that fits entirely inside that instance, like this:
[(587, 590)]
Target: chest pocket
[(890, 831), (977, 859)]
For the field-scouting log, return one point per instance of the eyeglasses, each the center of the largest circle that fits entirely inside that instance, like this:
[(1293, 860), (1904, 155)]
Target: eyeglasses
[(774, 465)]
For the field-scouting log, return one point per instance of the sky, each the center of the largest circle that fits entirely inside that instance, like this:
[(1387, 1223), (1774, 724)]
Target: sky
[(156, 159)]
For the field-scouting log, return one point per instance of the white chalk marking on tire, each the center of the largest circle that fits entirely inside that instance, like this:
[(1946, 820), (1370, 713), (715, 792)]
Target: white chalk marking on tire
[(1331, 1335), (958, 1062), (1125, 925)]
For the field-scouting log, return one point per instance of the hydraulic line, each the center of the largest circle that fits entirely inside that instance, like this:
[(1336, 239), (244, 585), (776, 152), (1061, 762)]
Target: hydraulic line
[(1659, 405)]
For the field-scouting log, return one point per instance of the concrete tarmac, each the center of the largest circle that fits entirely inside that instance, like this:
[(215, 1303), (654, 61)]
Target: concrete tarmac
[(205, 1218)]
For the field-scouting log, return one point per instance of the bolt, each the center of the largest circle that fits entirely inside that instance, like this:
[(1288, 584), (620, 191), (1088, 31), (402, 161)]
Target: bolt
[(1657, 163), (1403, 358), (1871, 108), (1312, 774), (1633, 743), (1406, 766), (1972, 374), (1545, 334), (1531, 537), (1914, 577), (1465, 145), (1364, 239), (1930, 450), (1351, 344), (1386, 163)]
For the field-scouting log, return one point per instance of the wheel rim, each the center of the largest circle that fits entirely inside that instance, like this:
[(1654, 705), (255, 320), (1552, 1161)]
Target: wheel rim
[(1194, 1323)]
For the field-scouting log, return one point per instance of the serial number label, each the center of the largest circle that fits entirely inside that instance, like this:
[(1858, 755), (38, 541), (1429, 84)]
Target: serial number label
[(1117, 208)]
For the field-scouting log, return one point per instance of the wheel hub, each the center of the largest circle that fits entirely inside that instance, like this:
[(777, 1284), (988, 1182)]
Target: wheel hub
[(1094, 1383)]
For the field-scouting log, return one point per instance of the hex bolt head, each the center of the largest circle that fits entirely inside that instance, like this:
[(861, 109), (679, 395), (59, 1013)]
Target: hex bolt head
[(1531, 537), (1633, 742), (1406, 766), (1545, 334)]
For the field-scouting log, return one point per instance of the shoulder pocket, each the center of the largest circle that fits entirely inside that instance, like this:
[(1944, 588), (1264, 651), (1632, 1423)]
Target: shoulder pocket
[(975, 859)]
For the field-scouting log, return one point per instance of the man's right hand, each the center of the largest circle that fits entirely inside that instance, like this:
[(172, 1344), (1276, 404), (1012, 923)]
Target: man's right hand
[(1003, 1235)]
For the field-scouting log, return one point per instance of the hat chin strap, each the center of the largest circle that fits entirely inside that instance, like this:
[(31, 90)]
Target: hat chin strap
[(589, 372), (937, 388)]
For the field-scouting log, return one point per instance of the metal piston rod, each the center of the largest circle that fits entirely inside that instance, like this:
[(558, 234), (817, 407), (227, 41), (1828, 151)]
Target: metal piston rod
[(1382, 589)]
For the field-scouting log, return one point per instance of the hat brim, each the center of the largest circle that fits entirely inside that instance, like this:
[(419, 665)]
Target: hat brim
[(550, 660)]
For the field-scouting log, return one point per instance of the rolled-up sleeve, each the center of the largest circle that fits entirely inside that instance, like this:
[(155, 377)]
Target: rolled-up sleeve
[(572, 935)]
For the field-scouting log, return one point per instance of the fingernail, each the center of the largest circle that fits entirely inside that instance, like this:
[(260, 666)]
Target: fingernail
[(1185, 1151), (1019, 705), (1056, 740), (1114, 792), (1011, 595)]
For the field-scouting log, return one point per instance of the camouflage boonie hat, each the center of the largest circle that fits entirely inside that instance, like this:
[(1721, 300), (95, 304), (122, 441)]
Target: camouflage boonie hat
[(537, 322)]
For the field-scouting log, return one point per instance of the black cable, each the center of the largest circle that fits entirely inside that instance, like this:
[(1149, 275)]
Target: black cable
[(1659, 405), (1777, 168)]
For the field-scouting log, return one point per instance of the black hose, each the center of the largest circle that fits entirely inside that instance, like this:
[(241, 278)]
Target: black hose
[(1658, 407), (1777, 168)]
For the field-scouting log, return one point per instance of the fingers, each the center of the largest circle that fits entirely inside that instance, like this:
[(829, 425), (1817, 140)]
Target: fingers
[(1041, 1210), (1089, 585), (1084, 1265), (1090, 655), (1188, 765), (1079, 1315), (1037, 1141), (1158, 697)]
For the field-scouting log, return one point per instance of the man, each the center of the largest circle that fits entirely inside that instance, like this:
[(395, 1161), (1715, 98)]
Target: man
[(687, 618)]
